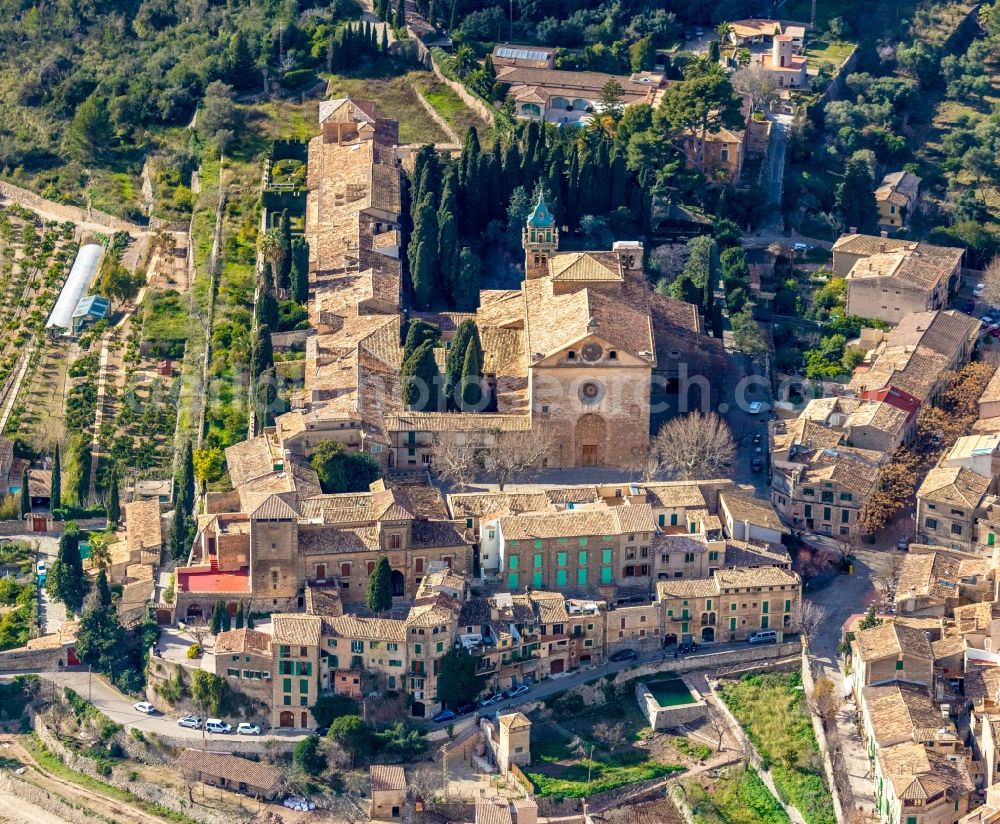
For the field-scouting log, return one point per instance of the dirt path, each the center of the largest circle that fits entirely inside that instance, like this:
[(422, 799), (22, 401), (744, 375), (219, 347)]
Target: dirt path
[(97, 803), (27, 813)]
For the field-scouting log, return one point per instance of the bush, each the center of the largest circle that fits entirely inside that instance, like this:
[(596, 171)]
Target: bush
[(194, 651)]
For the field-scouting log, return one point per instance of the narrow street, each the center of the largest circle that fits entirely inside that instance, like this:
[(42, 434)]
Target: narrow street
[(845, 596)]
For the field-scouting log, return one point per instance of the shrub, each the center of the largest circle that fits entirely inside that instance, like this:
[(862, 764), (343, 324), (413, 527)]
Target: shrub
[(194, 651)]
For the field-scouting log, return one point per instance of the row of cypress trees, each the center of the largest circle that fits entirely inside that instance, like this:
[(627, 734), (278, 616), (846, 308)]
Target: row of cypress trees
[(462, 383)]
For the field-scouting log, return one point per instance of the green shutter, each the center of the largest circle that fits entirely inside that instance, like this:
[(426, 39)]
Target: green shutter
[(536, 580), (560, 577), (581, 577), (582, 557), (561, 559), (606, 556), (606, 575), (512, 581)]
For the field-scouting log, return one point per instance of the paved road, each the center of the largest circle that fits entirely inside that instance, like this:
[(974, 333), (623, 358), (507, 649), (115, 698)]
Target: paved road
[(118, 707), (51, 614), (847, 595)]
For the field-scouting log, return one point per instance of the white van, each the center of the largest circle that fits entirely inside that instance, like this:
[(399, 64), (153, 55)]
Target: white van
[(763, 636), (217, 725)]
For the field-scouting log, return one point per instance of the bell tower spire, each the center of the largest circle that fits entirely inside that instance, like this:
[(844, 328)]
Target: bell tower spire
[(540, 238)]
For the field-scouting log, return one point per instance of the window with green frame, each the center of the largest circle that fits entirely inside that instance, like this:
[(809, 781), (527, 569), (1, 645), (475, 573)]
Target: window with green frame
[(732, 624), (512, 581), (513, 561), (581, 557), (561, 577), (286, 684), (607, 575), (991, 539), (303, 686), (765, 606), (788, 605), (561, 558), (684, 627), (538, 543), (537, 561), (583, 541), (536, 580), (581, 577), (764, 622), (606, 556)]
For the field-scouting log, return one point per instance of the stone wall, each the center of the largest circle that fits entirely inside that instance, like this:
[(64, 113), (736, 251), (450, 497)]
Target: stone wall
[(19, 788), (824, 747), (13, 660), (470, 100), (665, 718), (120, 778), (60, 211)]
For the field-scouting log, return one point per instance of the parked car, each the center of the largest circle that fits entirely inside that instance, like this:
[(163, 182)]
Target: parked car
[(994, 331), (218, 725), (144, 707), (465, 709), (978, 291), (763, 636), (192, 722), (42, 569), (514, 692), (756, 438), (969, 305), (755, 407), (247, 728), (623, 655), (902, 544), (490, 700), (756, 465), (321, 731), (444, 715)]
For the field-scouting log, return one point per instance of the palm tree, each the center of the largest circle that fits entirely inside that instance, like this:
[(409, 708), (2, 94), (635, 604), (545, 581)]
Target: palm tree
[(743, 57), (100, 554), (464, 61), (272, 250), (722, 31)]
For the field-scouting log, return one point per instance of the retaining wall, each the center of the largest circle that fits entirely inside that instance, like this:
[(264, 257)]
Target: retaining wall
[(120, 778), (21, 658), (665, 718), (824, 747), (15, 194), (470, 100)]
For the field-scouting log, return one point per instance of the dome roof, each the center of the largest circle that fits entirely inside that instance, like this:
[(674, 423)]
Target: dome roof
[(541, 217)]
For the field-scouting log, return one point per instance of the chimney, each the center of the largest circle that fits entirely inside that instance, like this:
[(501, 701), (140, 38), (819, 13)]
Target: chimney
[(852, 230), (881, 246), (884, 233)]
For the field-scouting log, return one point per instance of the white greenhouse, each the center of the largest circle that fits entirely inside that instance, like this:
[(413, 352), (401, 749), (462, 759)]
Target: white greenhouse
[(80, 276)]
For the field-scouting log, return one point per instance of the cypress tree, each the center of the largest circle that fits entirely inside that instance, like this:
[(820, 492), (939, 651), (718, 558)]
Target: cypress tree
[(178, 538), (420, 379), (573, 191), (472, 376), (249, 619), (300, 270), (25, 493), (284, 276), (455, 362), (378, 595), (55, 491), (417, 334), (263, 353), (266, 309), (103, 590), (423, 253), (239, 616), (470, 154), (114, 505), (618, 185), (215, 621), (448, 239), (66, 581), (469, 276), (384, 48), (400, 22), (187, 478), (511, 169)]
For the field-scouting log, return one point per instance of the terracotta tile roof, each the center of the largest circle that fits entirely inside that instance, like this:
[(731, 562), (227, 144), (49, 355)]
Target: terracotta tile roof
[(743, 506), (891, 640), (675, 495), (324, 600), (442, 611), (274, 508), (585, 266), (243, 642), (231, 768), (386, 778), (487, 504), (982, 684), (365, 629), (456, 422), (917, 773), (493, 811), (559, 525), (755, 27), (992, 390), (39, 483), (143, 525), (427, 534), (902, 712), (756, 577), (296, 630), (949, 645), (333, 540), (250, 459), (687, 588), (514, 721), (553, 82), (879, 415), (905, 184), (945, 332), (744, 554), (976, 618), (956, 486)]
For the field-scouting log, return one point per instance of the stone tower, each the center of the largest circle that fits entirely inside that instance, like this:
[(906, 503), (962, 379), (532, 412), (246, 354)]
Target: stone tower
[(514, 743), (540, 239)]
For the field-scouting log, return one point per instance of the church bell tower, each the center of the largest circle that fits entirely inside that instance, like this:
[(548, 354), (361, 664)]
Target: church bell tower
[(540, 239)]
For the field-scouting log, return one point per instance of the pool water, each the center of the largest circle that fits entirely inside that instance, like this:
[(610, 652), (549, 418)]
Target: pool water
[(670, 693)]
